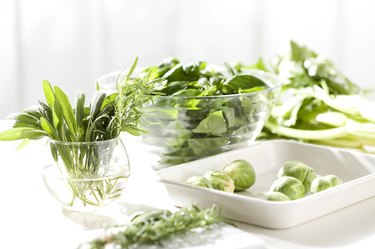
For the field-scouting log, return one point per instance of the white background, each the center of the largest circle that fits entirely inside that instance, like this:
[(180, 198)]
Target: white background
[(73, 42)]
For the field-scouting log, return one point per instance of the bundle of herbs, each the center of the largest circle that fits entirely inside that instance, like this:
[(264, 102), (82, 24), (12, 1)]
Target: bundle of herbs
[(318, 103), (73, 132), (156, 227)]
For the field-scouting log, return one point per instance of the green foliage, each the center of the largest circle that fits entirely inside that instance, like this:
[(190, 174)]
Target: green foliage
[(106, 116), (318, 103)]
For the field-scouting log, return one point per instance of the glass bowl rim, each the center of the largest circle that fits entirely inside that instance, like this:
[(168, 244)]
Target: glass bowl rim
[(254, 72)]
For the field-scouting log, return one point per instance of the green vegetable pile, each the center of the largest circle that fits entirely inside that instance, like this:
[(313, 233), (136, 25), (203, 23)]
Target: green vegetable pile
[(238, 175), (190, 121), (199, 79), (152, 228), (296, 180), (318, 104)]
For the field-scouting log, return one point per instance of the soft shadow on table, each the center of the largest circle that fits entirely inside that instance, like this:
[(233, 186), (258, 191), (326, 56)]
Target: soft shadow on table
[(340, 228), (118, 214)]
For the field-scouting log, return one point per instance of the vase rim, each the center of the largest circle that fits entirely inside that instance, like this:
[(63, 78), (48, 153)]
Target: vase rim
[(83, 142)]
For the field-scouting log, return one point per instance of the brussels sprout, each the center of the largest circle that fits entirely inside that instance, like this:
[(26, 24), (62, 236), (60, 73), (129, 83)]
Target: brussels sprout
[(289, 186), (220, 180), (199, 181), (333, 180), (299, 170), (242, 173), (274, 196), (321, 183)]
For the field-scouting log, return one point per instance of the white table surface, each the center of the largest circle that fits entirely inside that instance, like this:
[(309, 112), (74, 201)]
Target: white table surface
[(30, 217)]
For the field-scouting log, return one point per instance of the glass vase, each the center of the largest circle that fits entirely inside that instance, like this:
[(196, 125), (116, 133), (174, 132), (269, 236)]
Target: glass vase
[(87, 175)]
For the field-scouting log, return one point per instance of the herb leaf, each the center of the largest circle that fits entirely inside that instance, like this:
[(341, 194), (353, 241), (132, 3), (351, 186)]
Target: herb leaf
[(48, 92), (67, 111), (20, 133)]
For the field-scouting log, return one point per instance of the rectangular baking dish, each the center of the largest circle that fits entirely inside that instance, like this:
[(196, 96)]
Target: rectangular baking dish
[(355, 169)]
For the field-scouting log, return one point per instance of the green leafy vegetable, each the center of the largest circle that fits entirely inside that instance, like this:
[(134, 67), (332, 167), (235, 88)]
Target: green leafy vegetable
[(318, 104), (213, 123), (207, 124)]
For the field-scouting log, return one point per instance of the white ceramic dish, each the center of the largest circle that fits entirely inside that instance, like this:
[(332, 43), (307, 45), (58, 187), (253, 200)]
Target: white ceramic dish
[(356, 170)]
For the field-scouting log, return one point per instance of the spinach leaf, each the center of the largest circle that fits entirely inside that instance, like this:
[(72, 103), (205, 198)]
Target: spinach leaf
[(214, 123), (207, 146), (243, 82), (185, 72)]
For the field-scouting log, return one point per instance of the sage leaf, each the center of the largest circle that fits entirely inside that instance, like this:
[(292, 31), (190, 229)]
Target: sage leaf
[(25, 119), (80, 113), (96, 103), (21, 133), (48, 128), (57, 115), (67, 109), (48, 92)]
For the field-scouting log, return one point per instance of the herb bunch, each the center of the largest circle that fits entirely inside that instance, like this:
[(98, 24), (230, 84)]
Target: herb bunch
[(152, 227), (104, 119)]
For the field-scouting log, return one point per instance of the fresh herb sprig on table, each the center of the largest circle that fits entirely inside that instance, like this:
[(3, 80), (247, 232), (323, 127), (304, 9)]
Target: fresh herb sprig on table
[(153, 227), (318, 103)]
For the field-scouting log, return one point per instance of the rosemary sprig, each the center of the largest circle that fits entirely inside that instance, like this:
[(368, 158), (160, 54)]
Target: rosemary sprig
[(152, 227)]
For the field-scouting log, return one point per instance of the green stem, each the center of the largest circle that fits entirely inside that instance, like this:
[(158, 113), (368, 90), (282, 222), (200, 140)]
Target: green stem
[(307, 134)]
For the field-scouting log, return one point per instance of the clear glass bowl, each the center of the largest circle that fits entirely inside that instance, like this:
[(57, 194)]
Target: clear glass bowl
[(180, 130), (184, 129), (87, 175)]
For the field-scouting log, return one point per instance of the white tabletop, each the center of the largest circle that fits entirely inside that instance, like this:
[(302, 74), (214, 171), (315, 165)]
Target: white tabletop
[(30, 217)]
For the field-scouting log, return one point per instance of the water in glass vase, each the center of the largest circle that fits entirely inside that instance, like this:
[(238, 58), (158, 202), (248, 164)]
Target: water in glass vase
[(87, 175)]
